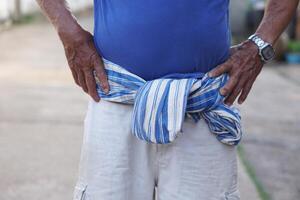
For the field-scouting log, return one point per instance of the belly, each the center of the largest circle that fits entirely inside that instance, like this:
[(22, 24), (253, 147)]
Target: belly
[(153, 39)]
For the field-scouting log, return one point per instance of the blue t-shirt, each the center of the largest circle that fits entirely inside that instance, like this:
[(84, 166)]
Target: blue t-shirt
[(154, 38)]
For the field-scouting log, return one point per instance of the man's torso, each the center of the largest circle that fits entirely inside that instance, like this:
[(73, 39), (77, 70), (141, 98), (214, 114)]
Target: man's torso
[(154, 38)]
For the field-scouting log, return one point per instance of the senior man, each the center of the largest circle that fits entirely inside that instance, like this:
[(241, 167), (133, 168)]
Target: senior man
[(167, 78)]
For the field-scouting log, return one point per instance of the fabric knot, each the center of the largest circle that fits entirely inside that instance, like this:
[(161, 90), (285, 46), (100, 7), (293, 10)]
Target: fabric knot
[(161, 105)]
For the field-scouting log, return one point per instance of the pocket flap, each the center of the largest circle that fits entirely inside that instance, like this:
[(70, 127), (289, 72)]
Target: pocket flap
[(235, 195)]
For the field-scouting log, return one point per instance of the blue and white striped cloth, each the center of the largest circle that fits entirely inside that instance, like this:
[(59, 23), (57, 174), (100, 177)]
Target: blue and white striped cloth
[(161, 105)]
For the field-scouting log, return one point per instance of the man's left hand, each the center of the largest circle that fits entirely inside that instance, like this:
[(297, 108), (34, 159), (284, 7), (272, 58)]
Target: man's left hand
[(243, 67)]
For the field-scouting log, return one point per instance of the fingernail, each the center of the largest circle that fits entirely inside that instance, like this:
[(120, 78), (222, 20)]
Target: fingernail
[(223, 92), (228, 104), (106, 90)]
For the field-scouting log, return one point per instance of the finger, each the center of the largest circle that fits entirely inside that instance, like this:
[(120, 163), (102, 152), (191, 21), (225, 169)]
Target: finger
[(91, 85), (101, 74), (248, 85), (74, 73), (236, 91), (75, 76), (227, 89), (246, 90), (220, 70), (81, 80)]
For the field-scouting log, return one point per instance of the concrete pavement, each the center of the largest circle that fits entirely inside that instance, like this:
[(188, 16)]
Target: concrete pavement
[(271, 118), (41, 118)]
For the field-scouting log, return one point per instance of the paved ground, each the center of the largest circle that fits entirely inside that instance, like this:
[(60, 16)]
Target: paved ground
[(272, 124), (41, 114)]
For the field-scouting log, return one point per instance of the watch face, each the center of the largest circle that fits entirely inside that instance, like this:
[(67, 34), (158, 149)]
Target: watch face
[(268, 53)]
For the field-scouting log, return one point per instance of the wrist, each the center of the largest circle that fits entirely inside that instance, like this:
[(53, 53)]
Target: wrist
[(73, 35), (266, 37)]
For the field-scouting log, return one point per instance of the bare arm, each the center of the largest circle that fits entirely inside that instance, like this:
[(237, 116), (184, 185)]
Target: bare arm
[(245, 64), (60, 16), (278, 15), (79, 47)]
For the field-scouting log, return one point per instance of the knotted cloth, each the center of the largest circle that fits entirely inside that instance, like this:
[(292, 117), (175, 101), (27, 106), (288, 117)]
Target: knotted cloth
[(161, 105)]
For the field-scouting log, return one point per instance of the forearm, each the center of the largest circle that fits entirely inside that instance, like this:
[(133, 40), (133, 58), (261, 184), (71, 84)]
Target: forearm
[(278, 14), (61, 17)]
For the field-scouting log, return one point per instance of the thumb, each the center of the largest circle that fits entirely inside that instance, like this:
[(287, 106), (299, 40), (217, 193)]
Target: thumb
[(101, 74)]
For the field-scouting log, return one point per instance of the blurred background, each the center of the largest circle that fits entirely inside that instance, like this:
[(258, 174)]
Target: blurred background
[(42, 111)]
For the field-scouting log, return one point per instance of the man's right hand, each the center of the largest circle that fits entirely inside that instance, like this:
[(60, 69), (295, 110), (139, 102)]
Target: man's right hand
[(83, 59), (79, 47)]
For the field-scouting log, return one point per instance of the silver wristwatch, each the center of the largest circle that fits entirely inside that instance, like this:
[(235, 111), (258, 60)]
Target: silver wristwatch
[(266, 51)]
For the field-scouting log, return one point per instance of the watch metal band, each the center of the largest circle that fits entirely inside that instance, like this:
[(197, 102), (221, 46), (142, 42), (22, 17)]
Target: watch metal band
[(258, 41), (261, 44)]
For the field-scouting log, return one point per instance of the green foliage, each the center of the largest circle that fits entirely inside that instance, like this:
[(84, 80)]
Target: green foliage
[(27, 19), (294, 46)]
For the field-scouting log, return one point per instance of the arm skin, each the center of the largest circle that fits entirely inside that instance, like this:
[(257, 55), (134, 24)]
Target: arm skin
[(79, 47), (245, 64)]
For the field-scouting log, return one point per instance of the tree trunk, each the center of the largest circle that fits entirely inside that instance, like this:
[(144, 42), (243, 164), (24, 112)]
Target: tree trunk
[(17, 10)]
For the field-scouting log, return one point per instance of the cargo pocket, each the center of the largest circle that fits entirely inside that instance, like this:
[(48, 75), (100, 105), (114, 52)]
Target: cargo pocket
[(80, 192), (235, 195)]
